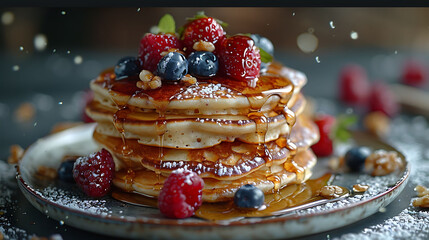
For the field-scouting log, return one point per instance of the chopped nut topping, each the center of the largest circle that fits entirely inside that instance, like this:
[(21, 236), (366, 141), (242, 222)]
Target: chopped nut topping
[(16, 153), (155, 83), (331, 191), (25, 112), (421, 190), (336, 163), (172, 50), (381, 163), (148, 81), (46, 172), (146, 76), (359, 188), (188, 79), (203, 46), (423, 200), (377, 123)]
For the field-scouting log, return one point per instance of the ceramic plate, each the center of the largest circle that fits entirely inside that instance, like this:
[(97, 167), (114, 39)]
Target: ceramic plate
[(65, 202)]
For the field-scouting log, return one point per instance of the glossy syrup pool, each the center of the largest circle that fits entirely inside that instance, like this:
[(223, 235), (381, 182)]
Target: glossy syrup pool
[(287, 197)]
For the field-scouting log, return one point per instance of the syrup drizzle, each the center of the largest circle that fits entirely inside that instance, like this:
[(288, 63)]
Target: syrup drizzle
[(256, 90), (275, 204)]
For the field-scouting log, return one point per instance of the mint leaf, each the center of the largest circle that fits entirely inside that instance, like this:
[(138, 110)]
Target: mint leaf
[(265, 57), (340, 132), (166, 24)]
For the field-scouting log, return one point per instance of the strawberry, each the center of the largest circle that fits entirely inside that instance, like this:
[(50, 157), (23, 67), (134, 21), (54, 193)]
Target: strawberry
[(206, 29), (239, 58), (325, 124), (383, 100), (414, 74), (151, 47), (354, 85)]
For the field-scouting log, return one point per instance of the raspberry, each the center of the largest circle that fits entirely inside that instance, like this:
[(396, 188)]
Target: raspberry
[(181, 194), (151, 47), (354, 85), (94, 173), (383, 100), (414, 74), (324, 146), (205, 29), (239, 58)]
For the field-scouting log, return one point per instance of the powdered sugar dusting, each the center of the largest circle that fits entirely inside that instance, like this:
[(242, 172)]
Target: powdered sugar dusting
[(409, 135), (71, 200), (211, 90), (7, 188)]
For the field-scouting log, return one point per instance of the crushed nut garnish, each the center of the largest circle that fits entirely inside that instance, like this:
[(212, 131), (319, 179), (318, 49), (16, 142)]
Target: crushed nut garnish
[(203, 46), (25, 112), (46, 172), (189, 79), (155, 82), (146, 75), (359, 188), (336, 163), (377, 123), (16, 153), (331, 191), (171, 50), (423, 200), (381, 163), (421, 190), (148, 80)]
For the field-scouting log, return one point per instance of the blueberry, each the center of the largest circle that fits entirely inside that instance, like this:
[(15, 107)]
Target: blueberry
[(264, 43), (249, 196), (355, 158), (65, 171), (126, 67), (173, 66), (203, 64)]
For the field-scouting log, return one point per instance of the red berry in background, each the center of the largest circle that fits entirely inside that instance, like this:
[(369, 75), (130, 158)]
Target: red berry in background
[(324, 146), (383, 100), (205, 29), (151, 47), (94, 173), (414, 74), (181, 194), (239, 58), (87, 97), (354, 85)]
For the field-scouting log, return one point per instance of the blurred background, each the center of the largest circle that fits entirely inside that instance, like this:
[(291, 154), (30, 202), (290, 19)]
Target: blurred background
[(49, 55), (63, 48)]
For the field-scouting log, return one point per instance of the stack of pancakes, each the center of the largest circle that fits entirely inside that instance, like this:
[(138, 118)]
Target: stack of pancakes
[(229, 132)]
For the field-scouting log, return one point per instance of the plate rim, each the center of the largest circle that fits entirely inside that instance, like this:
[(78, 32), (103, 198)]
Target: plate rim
[(174, 222)]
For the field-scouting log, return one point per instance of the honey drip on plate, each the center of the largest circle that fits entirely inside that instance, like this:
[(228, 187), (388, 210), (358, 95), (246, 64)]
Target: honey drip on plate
[(287, 197)]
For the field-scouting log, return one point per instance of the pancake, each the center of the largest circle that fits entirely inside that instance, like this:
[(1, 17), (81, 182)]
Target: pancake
[(211, 96), (229, 132), (183, 131), (149, 183)]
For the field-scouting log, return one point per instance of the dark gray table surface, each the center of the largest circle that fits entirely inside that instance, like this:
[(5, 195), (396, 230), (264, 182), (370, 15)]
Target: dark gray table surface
[(39, 78)]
